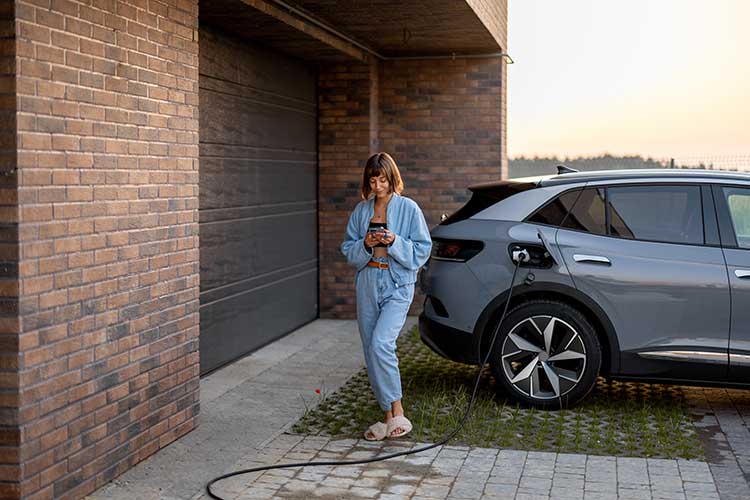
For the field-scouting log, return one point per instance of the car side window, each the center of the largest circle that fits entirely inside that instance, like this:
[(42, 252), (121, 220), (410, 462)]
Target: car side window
[(670, 214), (738, 200), (589, 212), (554, 212)]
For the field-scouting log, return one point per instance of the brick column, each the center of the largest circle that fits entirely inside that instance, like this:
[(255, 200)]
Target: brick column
[(107, 95), (503, 121), (343, 147), (10, 436)]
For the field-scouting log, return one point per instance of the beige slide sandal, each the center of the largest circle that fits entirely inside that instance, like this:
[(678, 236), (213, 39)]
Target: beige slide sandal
[(376, 432), (399, 422)]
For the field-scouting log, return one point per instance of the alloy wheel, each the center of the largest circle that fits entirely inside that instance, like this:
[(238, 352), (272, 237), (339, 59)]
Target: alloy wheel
[(543, 357)]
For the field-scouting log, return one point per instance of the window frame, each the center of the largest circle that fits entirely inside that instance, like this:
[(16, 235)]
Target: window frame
[(727, 233)]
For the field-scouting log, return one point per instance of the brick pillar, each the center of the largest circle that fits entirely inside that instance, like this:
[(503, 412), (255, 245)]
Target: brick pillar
[(503, 118), (343, 147), (442, 120), (107, 95), (10, 436)]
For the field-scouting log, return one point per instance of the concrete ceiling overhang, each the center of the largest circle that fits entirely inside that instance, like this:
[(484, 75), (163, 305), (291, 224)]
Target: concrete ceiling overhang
[(340, 30)]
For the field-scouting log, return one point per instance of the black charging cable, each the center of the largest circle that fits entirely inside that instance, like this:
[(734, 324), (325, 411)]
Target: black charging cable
[(523, 256)]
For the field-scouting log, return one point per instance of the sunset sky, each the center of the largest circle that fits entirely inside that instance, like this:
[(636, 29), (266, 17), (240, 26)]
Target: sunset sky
[(661, 78)]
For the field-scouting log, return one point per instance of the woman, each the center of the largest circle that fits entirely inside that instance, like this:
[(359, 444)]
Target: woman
[(387, 240)]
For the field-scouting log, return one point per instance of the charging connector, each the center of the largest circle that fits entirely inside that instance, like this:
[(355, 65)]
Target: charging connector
[(520, 256), (530, 255)]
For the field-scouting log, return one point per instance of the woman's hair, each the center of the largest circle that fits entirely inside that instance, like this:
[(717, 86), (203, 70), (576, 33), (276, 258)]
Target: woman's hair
[(377, 165)]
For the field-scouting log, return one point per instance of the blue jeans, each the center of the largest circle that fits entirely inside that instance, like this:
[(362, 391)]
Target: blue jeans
[(381, 312)]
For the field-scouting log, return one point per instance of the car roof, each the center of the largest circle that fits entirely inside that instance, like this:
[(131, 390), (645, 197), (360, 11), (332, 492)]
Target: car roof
[(645, 174)]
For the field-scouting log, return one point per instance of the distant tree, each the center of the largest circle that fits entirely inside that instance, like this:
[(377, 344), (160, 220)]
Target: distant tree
[(543, 165)]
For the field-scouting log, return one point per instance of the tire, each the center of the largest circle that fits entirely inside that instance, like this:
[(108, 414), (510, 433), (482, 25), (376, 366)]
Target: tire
[(551, 371)]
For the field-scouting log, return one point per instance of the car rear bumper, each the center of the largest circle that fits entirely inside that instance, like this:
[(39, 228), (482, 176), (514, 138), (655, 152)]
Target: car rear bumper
[(448, 342)]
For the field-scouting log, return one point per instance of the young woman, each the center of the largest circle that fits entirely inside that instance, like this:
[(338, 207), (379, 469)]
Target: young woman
[(387, 241)]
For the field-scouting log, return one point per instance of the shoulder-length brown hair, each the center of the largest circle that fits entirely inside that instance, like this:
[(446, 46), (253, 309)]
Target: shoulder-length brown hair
[(377, 165)]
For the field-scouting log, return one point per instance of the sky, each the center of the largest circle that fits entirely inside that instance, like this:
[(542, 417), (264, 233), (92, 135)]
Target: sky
[(658, 78)]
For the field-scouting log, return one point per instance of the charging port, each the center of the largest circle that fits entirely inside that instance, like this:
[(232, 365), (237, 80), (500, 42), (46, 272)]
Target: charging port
[(530, 255)]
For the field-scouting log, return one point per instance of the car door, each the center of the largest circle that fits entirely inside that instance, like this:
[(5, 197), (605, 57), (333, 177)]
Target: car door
[(644, 254), (733, 204)]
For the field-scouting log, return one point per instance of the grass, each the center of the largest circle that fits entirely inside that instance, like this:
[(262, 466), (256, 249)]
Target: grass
[(624, 419)]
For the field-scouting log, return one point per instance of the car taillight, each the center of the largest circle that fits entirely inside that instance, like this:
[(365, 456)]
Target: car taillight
[(455, 250)]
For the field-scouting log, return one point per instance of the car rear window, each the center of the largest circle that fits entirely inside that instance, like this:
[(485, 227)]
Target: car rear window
[(589, 213), (554, 212), (484, 196)]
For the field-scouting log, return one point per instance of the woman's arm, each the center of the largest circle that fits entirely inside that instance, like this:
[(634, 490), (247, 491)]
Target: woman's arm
[(353, 247), (413, 249)]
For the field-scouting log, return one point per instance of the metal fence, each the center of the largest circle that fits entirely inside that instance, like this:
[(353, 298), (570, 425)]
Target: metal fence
[(730, 163), (526, 167)]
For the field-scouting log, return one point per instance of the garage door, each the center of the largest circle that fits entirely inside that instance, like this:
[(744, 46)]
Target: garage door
[(258, 197)]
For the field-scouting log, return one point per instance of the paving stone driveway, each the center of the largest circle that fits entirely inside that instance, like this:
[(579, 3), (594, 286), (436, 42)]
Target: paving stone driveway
[(247, 406), (458, 472)]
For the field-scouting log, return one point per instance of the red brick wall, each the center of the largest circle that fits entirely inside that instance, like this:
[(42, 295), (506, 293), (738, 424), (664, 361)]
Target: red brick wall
[(9, 328), (107, 196), (443, 121)]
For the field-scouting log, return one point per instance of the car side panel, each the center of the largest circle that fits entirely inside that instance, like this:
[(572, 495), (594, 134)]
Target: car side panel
[(463, 302), (660, 298), (494, 268)]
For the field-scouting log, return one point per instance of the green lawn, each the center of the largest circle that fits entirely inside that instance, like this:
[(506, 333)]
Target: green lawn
[(626, 419)]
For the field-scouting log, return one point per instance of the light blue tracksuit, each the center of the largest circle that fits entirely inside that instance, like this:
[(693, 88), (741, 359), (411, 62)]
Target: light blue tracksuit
[(384, 295)]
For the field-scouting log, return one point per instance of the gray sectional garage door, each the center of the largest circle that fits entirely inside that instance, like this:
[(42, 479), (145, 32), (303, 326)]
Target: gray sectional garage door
[(258, 197)]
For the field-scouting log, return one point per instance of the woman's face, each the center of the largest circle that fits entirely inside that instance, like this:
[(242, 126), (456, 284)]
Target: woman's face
[(380, 185)]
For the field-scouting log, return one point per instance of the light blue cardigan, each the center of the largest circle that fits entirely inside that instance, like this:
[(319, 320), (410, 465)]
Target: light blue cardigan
[(412, 245)]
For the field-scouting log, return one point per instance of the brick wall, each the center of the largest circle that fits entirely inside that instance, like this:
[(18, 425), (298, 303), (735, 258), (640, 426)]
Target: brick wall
[(9, 327), (443, 121), (107, 199), (344, 136), (503, 68)]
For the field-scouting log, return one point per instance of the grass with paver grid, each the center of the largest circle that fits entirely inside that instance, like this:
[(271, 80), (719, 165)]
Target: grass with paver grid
[(618, 418)]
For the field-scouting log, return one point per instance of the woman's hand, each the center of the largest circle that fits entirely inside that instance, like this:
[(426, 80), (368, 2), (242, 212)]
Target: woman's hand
[(388, 237), (371, 239)]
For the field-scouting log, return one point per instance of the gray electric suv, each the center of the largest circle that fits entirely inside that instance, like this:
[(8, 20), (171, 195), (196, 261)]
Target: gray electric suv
[(631, 274)]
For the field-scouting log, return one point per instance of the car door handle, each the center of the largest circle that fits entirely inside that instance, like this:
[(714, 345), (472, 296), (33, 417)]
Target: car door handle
[(594, 259), (742, 273)]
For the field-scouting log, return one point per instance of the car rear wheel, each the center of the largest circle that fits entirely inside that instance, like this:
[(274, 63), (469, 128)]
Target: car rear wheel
[(546, 355)]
